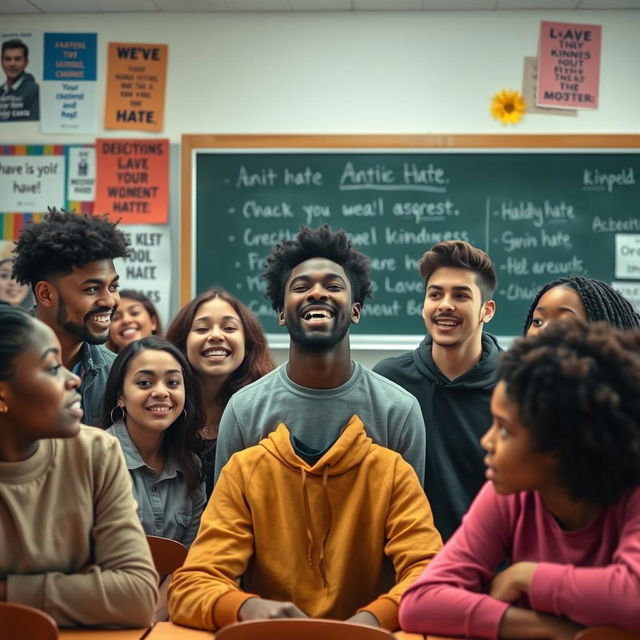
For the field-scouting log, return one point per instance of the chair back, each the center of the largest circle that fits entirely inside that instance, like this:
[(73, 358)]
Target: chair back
[(22, 621), (606, 633), (301, 629), (168, 555)]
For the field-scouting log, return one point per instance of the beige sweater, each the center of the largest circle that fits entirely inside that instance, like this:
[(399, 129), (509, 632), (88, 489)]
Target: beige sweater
[(71, 542)]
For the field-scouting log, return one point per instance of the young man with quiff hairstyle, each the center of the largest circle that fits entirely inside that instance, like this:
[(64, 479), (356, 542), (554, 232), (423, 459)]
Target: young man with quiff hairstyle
[(451, 373)]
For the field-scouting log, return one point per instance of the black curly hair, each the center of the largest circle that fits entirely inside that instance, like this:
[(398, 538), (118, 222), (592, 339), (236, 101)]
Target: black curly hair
[(63, 240), (316, 243), (577, 388), (601, 302)]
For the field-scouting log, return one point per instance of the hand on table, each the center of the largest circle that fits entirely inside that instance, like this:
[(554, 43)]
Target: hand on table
[(261, 609), (364, 617)]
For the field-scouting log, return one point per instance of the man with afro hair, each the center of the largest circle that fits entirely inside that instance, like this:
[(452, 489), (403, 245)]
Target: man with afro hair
[(318, 283), (68, 261)]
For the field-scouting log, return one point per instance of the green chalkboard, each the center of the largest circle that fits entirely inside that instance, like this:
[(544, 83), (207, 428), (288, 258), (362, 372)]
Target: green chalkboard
[(539, 213)]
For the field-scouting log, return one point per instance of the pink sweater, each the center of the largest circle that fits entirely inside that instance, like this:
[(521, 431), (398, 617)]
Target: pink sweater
[(591, 575)]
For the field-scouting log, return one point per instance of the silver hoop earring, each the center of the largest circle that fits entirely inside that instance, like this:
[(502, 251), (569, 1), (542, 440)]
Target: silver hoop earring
[(123, 412)]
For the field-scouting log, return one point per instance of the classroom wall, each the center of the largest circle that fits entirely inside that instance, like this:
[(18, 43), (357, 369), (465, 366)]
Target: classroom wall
[(360, 72)]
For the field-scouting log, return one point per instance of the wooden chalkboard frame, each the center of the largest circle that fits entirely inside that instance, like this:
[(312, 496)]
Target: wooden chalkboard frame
[(192, 143)]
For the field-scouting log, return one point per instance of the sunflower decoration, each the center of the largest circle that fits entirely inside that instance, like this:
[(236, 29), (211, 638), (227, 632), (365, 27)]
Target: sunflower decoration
[(507, 106)]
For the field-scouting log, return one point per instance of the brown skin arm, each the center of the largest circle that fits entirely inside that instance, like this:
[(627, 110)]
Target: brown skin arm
[(523, 623)]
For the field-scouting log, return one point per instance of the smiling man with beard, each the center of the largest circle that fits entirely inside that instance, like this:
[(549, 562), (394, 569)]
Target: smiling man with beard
[(317, 283), (452, 374), (68, 261)]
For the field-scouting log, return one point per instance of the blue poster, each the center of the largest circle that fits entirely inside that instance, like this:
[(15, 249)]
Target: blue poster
[(69, 83)]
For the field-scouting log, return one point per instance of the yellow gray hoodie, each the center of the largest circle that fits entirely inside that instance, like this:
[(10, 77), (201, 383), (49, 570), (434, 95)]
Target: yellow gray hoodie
[(319, 536)]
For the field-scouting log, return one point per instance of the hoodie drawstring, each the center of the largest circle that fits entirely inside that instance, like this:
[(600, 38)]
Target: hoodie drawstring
[(307, 515), (327, 531), (307, 521)]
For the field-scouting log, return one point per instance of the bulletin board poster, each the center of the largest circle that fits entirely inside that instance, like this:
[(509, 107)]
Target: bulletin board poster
[(133, 180), (569, 65), (21, 76), (32, 178), (81, 177), (69, 91), (147, 268), (136, 81)]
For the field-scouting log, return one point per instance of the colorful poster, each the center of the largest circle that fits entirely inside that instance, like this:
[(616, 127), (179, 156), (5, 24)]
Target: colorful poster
[(69, 102), (148, 267), (529, 82), (133, 180), (22, 73), (569, 65), (31, 183), (136, 79), (81, 174)]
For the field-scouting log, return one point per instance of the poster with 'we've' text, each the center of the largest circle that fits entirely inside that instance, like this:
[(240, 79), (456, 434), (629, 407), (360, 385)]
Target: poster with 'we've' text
[(136, 80)]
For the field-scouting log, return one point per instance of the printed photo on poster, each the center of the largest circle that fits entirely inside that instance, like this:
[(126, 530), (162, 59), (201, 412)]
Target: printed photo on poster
[(22, 74), (133, 180), (69, 87), (136, 78)]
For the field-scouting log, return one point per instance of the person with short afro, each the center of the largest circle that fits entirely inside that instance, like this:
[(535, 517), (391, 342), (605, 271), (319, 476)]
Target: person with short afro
[(562, 501), (582, 297), (67, 259), (318, 283)]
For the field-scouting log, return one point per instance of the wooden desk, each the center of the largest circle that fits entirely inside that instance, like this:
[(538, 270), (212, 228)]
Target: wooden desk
[(170, 631), (101, 634)]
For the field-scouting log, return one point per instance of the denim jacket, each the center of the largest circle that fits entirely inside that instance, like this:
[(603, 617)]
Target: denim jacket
[(95, 364), (165, 508)]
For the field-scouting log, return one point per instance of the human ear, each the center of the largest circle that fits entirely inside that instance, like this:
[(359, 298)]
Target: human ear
[(281, 321), (488, 310), (46, 294), (356, 312)]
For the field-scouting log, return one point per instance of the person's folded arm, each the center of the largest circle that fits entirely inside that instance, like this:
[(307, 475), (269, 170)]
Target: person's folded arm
[(204, 592), (411, 541), (118, 587), (449, 597)]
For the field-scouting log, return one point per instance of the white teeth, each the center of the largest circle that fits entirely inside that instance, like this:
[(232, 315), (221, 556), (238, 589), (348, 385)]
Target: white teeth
[(101, 318), (318, 313), (75, 405), (214, 353), (128, 332), (159, 409)]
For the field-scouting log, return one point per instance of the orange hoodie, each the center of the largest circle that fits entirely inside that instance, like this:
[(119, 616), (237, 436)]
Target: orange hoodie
[(314, 535)]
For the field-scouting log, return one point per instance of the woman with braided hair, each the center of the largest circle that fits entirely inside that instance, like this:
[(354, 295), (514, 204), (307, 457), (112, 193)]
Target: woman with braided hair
[(580, 297), (562, 503)]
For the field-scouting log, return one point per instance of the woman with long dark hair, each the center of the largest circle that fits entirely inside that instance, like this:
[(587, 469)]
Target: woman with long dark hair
[(227, 350), (151, 404)]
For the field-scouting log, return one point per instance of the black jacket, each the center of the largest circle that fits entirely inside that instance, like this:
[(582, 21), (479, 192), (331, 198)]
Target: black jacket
[(456, 414)]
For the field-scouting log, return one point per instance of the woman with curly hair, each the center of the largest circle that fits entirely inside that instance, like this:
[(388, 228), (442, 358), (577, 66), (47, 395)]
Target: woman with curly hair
[(226, 348), (580, 297), (562, 501)]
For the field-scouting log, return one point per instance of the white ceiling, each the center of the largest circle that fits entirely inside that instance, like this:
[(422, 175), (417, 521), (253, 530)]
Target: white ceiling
[(180, 6)]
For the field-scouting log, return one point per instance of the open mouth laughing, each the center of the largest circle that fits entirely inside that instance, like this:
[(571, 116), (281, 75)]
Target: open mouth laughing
[(317, 313)]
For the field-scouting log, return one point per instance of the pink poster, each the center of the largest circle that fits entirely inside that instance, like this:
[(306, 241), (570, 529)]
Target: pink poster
[(569, 65)]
